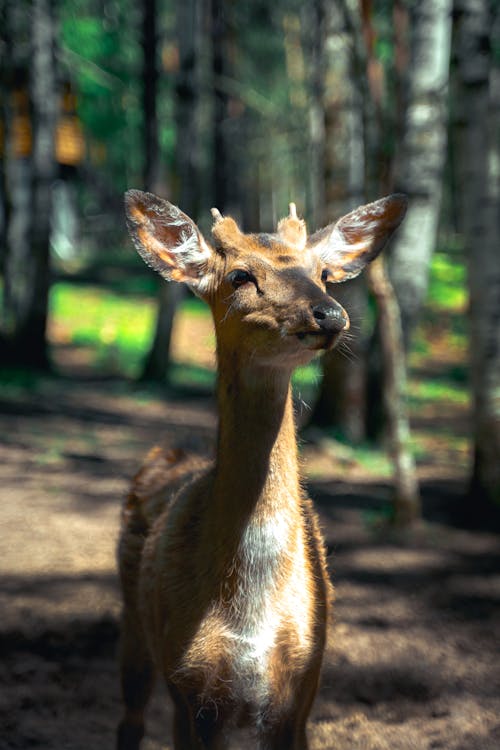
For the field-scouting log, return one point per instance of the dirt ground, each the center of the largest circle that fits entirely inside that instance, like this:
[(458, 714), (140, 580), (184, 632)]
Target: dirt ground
[(413, 660)]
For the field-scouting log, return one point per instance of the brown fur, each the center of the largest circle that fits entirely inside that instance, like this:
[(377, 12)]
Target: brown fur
[(226, 592)]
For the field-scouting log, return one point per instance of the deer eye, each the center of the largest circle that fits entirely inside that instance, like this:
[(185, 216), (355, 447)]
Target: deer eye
[(325, 275), (240, 277)]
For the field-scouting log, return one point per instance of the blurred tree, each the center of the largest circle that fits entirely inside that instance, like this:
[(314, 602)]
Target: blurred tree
[(149, 42), (406, 498), (479, 157), (337, 135), (227, 111), (31, 169), (314, 22), (421, 155), (352, 128), (391, 371), (17, 159), (157, 361), (3, 117), (384, 115), (189, 16)]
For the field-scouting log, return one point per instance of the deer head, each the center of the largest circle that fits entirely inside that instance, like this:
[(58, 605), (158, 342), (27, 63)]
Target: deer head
[(269, 293)]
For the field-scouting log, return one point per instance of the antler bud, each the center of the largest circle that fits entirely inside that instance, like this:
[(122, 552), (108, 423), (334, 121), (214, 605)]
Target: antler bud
[(292, 229)]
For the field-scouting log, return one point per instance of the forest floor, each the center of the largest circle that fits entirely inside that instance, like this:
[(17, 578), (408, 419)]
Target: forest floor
[(413, 659)]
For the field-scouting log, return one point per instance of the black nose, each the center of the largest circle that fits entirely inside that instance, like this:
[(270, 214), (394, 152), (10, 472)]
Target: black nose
[(330, 317)]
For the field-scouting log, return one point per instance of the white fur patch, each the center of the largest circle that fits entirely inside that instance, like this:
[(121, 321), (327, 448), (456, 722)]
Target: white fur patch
[(332, 247), (266, 600), (190, 248)]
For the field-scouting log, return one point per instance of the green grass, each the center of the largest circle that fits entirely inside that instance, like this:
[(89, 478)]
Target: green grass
[(373, 460), (447, 283), (422, 392), (192, 377), (117, 327)]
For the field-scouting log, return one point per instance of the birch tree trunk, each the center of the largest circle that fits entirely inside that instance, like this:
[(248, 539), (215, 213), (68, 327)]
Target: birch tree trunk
[(479, 160), (419, 165)]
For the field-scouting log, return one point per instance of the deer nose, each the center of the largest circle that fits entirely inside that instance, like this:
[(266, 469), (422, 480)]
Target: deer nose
[(330, 317)]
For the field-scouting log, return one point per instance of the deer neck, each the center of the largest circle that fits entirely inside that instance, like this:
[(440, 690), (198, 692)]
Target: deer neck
[(256, 476)]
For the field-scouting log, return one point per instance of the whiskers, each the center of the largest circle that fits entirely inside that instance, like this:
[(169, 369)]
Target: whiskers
[(302, 406), (344, 346)]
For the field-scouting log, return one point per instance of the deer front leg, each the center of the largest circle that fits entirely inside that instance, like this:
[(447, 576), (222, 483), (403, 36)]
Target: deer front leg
[(288, 730), (289, 735), (196, 727), (137, 680)]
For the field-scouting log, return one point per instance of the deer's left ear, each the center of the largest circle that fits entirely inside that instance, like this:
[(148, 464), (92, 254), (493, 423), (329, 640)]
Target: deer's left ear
[(168, 240), (357, 238)]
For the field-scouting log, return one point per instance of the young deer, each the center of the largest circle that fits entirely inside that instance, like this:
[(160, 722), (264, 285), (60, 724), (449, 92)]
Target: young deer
[(225, 587)]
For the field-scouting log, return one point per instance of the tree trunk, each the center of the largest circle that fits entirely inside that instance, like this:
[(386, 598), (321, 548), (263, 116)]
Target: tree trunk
[(228, 112), (158, 359), (4, 93), (388, 391), (317, 60), (152, 166), (189, 19), (45, 107), (31, 171), (419, 165), (381, 126), (406, 502), (479, 155), (341, 187)]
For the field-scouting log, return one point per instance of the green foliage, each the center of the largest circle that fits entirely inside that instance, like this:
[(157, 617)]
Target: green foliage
[(101, 57)]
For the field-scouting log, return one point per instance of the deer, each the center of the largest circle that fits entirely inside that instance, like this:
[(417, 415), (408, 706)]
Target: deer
[(226, 593)]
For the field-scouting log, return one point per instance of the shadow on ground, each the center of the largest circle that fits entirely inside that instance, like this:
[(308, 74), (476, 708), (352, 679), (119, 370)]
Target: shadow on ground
[(413, 654)]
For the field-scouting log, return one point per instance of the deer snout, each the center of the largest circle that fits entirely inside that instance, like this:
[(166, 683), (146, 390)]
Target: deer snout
[(330, 316)]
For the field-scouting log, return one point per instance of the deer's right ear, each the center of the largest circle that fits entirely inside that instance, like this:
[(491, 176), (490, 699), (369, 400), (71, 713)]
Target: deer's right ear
[(358, 237), (167, 239)]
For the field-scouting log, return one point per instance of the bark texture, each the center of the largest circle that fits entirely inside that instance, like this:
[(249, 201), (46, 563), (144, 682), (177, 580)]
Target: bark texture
[(420, 162), (338, 143), (189, 17), (387, 382), (30, 172), (479, 159), (406, 503)]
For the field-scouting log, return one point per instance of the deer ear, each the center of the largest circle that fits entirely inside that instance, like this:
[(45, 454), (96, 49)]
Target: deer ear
[(358, 237), (167, 239)]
